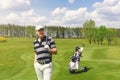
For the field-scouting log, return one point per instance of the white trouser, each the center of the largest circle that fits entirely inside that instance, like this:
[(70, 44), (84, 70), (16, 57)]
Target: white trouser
[(74, 65), (44, 72), (77, 65)]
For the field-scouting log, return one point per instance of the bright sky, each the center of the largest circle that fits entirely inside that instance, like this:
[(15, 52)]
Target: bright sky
[(60, 12)]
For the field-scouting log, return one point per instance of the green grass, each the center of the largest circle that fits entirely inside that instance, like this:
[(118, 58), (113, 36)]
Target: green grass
[(16, 60)]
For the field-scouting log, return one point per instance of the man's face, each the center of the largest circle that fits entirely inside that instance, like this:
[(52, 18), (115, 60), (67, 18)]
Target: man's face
[(40, 33)]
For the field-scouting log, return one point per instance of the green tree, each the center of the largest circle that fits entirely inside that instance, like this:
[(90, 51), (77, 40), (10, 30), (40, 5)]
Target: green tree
[(77, 32), (110, 35), (102, 33), (118, 32), (30, 31), (88, 29)]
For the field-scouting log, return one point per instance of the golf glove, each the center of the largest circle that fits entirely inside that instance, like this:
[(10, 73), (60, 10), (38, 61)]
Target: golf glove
[(47, 47)]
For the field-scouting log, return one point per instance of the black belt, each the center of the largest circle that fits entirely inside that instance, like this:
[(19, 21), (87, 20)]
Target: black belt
[(43, 62)]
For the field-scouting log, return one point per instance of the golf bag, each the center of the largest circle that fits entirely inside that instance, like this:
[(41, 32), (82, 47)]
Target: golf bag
[(75, 59)]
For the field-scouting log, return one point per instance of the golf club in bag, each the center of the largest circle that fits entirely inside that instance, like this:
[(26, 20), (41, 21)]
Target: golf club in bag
[(75, 60)]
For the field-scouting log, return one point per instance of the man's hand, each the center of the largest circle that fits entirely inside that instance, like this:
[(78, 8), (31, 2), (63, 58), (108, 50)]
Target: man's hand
[(47, 47)]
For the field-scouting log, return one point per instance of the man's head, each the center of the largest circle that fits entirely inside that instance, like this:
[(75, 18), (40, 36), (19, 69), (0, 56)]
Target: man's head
[(39, 31)]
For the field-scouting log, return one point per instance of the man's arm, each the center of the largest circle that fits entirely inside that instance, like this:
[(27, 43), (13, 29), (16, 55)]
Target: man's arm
[(53, 50), (52, 47)]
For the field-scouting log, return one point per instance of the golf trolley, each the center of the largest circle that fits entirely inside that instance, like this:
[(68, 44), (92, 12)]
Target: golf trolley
[(75, 60)]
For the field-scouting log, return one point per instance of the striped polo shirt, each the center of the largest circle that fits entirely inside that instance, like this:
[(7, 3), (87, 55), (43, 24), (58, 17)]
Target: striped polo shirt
[(42, 53)]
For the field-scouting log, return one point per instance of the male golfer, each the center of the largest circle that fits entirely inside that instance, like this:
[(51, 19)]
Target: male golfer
[(44, 47)]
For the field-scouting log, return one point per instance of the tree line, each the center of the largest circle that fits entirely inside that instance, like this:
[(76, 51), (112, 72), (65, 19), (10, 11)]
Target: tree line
[(94, 34), (11, 30)]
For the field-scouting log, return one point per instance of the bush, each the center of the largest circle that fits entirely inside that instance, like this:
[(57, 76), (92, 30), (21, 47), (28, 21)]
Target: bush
[(2, 39)]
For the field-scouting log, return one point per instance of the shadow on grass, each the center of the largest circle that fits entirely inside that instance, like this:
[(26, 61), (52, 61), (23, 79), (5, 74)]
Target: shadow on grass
[(84, 69)]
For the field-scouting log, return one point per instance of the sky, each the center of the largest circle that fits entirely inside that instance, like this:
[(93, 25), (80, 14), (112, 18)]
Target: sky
[(60, 12)]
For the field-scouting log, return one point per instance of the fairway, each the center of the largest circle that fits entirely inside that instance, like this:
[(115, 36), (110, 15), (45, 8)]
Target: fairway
[(17, 54)]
